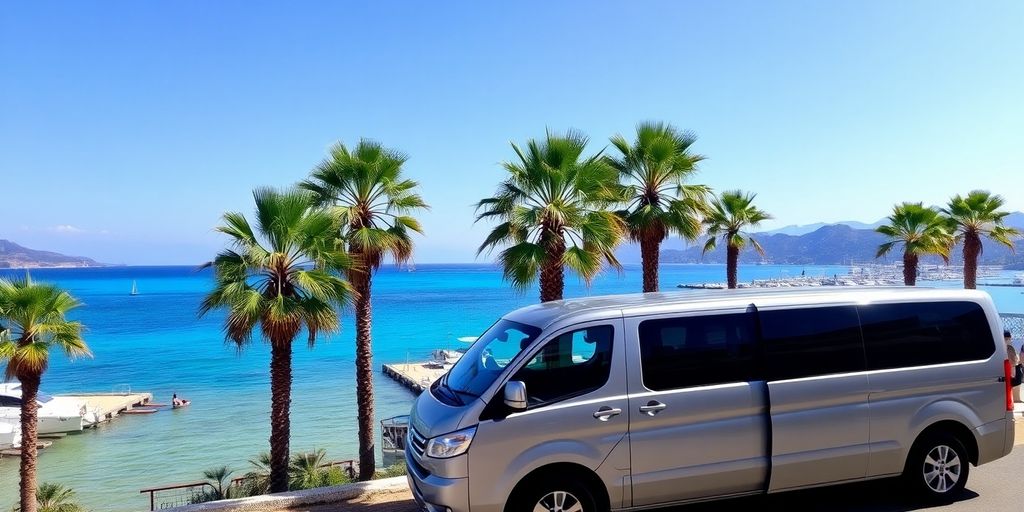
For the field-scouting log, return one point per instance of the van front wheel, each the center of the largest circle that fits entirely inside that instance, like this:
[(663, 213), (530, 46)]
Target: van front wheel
[(938, 467), (554, 497)]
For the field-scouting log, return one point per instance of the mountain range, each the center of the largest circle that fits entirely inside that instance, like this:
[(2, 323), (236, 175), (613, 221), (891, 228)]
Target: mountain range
[(824, 244), (13, 255)]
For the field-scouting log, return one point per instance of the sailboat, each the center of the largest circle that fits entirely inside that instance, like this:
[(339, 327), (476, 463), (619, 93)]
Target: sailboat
[(135, 289)]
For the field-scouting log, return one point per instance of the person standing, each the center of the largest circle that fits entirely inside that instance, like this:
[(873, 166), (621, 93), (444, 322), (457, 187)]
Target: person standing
[(1015, 363)]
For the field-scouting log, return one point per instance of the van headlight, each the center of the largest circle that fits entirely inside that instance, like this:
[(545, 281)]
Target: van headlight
[(450, 445)]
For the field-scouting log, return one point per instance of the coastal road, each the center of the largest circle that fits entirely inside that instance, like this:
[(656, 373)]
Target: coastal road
[(994, 487)]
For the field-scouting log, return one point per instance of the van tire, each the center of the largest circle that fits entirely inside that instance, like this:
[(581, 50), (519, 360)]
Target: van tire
[(567, 493), (938, 467)]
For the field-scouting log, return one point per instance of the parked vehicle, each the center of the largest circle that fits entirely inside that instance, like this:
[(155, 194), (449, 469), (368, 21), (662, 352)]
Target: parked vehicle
[(56, 414), (643, 401)]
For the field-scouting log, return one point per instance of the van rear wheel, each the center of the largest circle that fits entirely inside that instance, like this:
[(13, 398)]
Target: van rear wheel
[(557, 496), (938, 467)]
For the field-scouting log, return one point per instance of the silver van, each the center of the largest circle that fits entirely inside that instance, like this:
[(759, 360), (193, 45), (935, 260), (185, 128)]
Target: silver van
[(641, 401)]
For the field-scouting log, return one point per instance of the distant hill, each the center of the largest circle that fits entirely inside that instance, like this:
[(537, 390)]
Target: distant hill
[(797, 230), (832, 245), (821, 244), (13, 255)]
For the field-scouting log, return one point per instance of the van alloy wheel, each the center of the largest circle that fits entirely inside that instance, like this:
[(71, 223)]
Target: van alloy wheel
[(941, 469), (558, 501), (938, 467)]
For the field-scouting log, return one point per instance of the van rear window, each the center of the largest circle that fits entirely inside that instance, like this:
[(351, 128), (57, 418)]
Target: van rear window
[(909, 334)]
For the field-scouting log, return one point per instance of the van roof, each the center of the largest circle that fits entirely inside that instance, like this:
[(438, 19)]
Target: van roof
[(544, 314)]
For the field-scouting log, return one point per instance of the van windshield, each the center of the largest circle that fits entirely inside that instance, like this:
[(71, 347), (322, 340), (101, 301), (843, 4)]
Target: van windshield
[(486, 359)]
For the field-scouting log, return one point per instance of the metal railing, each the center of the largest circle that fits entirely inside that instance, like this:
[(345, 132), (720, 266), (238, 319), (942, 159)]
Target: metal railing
[(170, 496), (1013, 322)]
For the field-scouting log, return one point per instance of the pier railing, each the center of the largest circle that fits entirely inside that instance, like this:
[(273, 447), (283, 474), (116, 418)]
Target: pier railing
[(170, 496), (1013, 322)]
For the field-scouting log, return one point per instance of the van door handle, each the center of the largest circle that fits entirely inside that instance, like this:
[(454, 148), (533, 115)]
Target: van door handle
[(606, 413), (653, 407)]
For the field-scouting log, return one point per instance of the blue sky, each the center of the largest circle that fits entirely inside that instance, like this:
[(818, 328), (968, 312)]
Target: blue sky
[(127, 128)]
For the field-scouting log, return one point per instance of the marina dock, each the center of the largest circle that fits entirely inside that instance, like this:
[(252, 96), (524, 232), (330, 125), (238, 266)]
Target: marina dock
[(105, 406), (415, 376), (108, 406)]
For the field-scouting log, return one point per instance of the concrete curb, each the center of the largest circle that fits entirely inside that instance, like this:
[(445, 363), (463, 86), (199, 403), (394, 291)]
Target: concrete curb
[(284, 500)]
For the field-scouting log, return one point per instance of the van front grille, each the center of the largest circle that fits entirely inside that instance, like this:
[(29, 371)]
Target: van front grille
[(417, 442)]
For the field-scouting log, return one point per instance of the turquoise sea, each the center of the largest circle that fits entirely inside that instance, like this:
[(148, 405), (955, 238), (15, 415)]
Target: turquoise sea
[(154, 342)]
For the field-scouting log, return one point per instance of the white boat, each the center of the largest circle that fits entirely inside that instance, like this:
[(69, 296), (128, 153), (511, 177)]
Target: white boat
[(1019, 280), (10, 435), (56, 414), (135, 289)]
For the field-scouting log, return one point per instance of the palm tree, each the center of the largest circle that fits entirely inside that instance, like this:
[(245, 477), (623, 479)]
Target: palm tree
[(654, 168), (35, 318), (307, 470), (731, 214), (257, 480), (368, 194), (218, 478), (552, 213), (921, 231), (975, 217), (55, 498), (282, 277)]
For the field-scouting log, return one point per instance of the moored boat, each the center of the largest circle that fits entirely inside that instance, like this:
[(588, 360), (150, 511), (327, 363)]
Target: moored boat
[(10, 435), (56, 414)]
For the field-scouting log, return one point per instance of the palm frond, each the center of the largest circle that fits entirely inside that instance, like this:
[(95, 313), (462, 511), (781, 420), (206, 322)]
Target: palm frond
[(521, 264), (553, 195)]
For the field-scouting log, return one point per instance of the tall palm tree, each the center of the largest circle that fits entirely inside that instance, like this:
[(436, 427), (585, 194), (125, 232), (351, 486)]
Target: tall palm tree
[(282, 276), (658, 202), (975, 217), (365, 187), (55, 498), (730, 216), (921, 231), (552, 213), (35, 318)]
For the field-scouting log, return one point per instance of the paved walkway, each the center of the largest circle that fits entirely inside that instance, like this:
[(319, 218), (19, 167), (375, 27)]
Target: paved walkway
[(400, 501)]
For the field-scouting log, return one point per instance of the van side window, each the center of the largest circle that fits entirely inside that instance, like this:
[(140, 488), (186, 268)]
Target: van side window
[(571, 364), (898, 335), (809, 342), (697, 351)]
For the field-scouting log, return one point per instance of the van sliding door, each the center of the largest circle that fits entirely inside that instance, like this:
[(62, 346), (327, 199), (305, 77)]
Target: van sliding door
[(697, 411), (818, 390)]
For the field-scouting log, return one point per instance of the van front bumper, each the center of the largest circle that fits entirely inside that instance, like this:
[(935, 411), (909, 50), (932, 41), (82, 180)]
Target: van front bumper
[(433, 493)]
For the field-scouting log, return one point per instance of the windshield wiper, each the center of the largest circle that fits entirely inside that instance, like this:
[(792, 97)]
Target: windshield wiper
[(443, 384)]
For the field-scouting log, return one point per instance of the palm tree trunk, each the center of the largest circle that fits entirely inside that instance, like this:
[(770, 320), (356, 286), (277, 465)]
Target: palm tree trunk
[(909, 268), (972, 248), (29, 437), (552, 271), (280, 404), (364, 373), (732, 263), (650, 248)]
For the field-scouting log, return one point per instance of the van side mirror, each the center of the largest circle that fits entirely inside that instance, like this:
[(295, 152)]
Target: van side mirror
[(515, 394)]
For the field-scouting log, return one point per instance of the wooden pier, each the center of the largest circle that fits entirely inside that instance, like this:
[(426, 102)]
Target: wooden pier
[(108, 406), (415, 376)]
